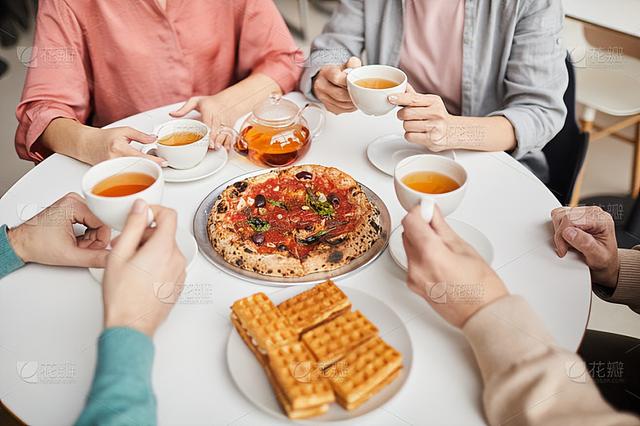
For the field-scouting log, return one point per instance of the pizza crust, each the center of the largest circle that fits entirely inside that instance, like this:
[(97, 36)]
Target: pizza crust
[(324, 257)]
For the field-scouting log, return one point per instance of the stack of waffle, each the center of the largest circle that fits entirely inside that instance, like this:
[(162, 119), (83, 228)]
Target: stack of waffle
[(315, 350)]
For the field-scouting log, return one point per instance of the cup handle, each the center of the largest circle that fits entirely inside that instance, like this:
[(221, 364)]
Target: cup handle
[(426, 209), (145, 149), (151, 220), (323, 118)]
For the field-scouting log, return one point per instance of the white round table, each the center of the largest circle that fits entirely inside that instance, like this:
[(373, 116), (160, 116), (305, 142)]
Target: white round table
[(51, 316)]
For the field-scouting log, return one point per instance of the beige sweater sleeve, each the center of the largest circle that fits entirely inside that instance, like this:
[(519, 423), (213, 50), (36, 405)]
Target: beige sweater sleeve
[(627, 291), (528, 380)]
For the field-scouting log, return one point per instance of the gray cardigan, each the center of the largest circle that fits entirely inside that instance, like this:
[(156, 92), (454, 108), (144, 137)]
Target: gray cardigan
[(513, 61)]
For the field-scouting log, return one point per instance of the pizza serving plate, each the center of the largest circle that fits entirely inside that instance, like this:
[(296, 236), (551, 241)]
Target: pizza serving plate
[(204, 245), (249, 376)]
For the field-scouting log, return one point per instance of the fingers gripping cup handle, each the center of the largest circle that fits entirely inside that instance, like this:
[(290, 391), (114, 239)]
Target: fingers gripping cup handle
[(237, 142), (146, 149)]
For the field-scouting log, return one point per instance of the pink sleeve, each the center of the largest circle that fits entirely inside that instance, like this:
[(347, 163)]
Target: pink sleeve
[(267, 47), (57, 83)]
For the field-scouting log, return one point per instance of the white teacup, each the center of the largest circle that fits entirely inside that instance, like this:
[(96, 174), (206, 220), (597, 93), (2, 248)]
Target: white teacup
[(181, 156), (447, 202), (113, 211), (375, 101)]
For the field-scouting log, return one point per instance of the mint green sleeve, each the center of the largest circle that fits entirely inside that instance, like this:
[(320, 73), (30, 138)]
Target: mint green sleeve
[(121, 392), (9, 260)]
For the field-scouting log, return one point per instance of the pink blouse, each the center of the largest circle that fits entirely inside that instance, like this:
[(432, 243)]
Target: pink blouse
[(431, 53), (98, 61)]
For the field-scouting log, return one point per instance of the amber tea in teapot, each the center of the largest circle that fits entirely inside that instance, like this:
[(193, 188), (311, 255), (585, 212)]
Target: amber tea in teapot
[(275, 147), (276, 134)]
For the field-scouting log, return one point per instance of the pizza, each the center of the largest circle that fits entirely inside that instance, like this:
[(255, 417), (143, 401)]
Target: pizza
[(293, 222)]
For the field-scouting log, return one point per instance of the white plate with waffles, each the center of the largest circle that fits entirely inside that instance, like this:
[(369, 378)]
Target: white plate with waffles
[(252, 381)]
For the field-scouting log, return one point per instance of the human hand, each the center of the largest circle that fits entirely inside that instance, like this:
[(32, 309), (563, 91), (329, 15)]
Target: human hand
[(591, 231), (143, 262), (212, 112), (425, 119), (105, 144), (48, 237), (446, 271), (330, 87)]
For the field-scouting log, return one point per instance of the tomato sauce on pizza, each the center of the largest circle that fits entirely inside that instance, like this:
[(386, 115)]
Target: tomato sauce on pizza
[(299, 220)]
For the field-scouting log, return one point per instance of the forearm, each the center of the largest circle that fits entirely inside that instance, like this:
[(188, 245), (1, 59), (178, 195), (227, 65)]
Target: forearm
[(627, 288), (68, 137), (121, 392), (528, 379), (240, 98), (9, 258), (491, 134)]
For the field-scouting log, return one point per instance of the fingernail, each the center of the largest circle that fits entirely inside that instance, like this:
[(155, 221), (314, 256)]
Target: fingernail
[(139, 206), (570, 233), (393, 98)]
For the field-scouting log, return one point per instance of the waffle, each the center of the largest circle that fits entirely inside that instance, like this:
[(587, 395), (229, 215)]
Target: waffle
[(315, 306), (262, 322), (364, 372), (334, 339), (300, 386), (262, 358)]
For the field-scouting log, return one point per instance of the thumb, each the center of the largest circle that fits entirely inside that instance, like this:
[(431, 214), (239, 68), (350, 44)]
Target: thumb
[(353, 62), (583, 242), (410, 89), (187, 107), (129, 239), (136, 135)]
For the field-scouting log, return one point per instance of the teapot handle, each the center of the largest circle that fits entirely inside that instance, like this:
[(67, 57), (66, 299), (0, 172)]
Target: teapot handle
[(323, 118)]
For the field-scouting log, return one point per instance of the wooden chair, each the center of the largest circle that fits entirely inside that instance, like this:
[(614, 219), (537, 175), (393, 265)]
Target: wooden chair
[(608, 81)]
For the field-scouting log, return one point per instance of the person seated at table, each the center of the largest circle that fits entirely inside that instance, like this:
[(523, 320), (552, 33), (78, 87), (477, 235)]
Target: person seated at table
[(94, 63), (135, 304), (614, 359), (485, 75), (528, 379)]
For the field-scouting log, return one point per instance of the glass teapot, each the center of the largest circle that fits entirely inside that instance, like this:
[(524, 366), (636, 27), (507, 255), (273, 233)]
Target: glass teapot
[(276, 133)]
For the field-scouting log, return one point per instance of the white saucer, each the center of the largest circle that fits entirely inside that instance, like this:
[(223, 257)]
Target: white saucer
[(250, 377), (388, 150), (186, 243), (212, 163), (470, 234)]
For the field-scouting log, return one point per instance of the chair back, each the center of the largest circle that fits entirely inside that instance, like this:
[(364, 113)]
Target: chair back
[(566, 152)]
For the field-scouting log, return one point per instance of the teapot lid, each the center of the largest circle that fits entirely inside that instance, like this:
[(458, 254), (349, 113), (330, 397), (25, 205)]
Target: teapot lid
[(276, 111)]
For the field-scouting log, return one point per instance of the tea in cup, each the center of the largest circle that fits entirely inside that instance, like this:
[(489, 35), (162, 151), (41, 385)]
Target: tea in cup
[(429, 180), (111, 188), (370, 87), (183, 143)]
